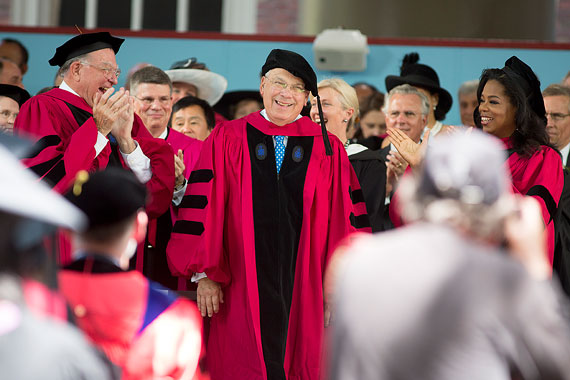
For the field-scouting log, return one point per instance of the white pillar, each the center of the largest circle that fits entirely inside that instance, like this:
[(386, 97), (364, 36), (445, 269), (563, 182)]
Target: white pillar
[(91, 7), (182, 15), (137, 14), (25, 12), (239, 16)]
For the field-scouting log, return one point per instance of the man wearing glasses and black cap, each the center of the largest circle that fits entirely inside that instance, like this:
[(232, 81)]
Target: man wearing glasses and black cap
[(11, 99), (83, 125), (267, 202)]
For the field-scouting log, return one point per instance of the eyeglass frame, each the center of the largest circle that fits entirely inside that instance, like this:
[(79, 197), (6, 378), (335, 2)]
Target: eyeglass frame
[(557, 116), (148, 101), (284, 86), (106, 71)]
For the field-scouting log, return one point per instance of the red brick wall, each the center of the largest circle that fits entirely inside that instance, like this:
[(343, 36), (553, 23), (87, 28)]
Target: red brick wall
[(277, 17)]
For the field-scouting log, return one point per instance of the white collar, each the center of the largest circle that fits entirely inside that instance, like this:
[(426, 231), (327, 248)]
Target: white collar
[(434, 130), (264, 114), (164, 134), (564, 152), (355, 148), (64, 86)]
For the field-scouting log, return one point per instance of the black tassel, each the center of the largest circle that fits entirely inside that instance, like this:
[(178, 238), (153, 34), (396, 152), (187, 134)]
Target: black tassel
[(324, 128)]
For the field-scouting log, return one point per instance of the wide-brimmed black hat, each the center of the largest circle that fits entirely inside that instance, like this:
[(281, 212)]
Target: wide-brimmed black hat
[(420, 75), (522, 74), (19, 95), (83, 44), (108, 196), (230, 99)]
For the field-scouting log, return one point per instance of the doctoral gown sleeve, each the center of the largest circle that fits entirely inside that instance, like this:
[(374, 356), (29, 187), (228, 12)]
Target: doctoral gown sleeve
[(542, 177), (371, 175), (196, 243), (61, 148), (160, 187)]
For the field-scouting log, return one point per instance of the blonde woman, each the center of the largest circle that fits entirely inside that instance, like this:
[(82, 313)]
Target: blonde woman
[(340, 109)]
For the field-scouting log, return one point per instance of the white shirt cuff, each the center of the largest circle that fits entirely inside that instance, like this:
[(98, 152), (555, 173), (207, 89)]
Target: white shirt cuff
[(138, 163), (101, 143), (198, 276), (179, 194)]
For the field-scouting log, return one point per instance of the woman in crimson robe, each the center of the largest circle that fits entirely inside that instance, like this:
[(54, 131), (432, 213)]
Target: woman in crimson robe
[(511, 108)]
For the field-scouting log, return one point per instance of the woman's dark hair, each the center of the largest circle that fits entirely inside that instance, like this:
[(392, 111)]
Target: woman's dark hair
[(530, 131), (373, 102), (190, 100)]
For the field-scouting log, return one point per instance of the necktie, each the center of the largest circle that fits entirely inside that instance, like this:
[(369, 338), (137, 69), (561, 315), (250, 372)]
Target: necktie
[(279, 151)]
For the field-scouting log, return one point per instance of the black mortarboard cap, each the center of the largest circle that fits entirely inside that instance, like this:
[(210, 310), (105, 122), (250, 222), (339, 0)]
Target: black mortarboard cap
[(107, 197), (295, 64), (83, 44), (14, 92), (528, 81), (299, 67)]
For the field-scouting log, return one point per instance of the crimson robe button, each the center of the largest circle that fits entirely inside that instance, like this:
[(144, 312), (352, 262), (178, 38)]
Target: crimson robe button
[(261, 151), (79, 311), (298, 153)]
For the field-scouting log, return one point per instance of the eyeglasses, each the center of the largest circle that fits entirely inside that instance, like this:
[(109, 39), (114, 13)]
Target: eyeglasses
[(147, 100), (295, 88), (107, 71), (557, 116), (190, 63), (407, 114)]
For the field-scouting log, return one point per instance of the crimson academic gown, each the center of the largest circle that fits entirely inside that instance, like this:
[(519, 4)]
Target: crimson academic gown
[(140, 328), (541, 177), (154, 265), (62, 126), (266, 238)]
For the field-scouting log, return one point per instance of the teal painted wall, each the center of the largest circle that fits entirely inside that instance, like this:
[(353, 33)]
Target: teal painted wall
[(241, 61)]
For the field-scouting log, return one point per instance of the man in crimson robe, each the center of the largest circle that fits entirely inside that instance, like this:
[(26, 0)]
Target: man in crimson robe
[(152, 90), (85, 125), (270, 197)]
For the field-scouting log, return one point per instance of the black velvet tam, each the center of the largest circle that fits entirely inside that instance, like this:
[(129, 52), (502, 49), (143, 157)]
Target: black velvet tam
[(108, 196), (14, 92), (83, 44), (295, 64)]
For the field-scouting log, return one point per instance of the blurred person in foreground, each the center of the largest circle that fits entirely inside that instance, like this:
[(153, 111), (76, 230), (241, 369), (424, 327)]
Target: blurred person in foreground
[(34, 343), (340, 109), (270, 197), (148, 333), (468, 101), (467, 296)]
